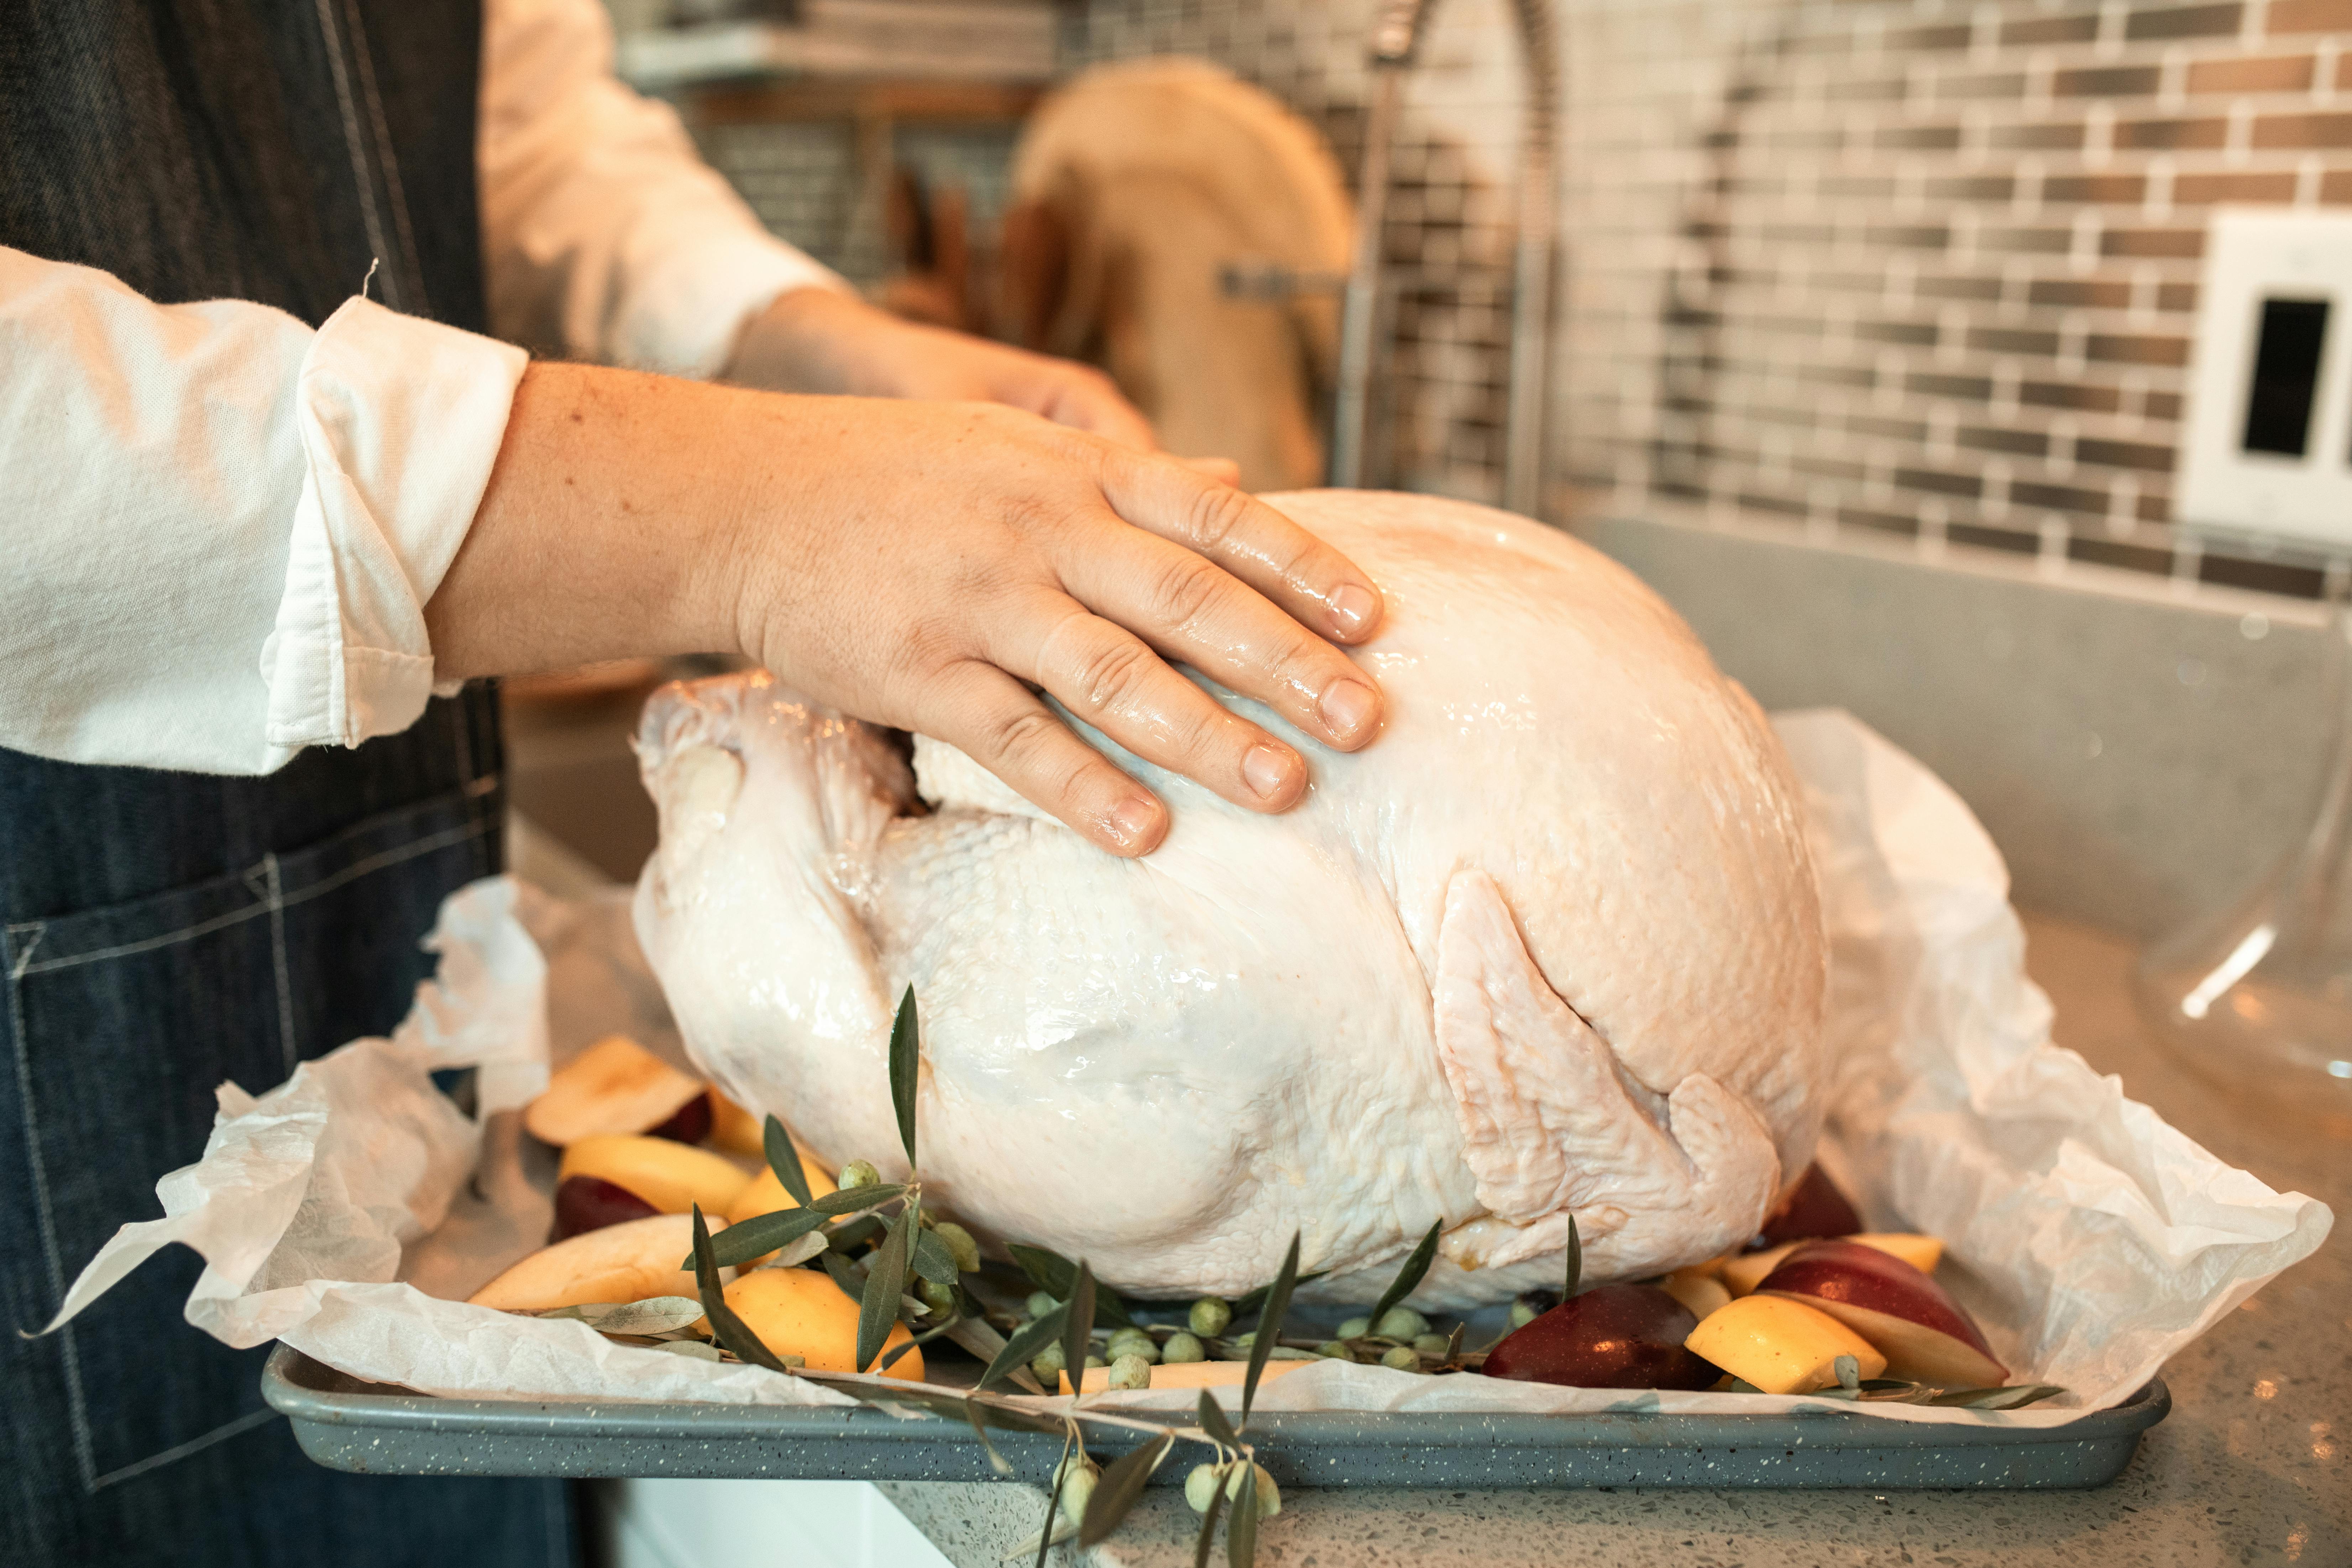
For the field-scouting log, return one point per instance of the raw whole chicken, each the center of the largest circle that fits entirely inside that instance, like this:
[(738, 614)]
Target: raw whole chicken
[(1550, 946)]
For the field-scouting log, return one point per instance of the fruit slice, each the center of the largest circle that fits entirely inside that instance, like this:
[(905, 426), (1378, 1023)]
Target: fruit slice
[(1745, 1272), (799, 1312), (1780, 1345), (736, 1130), (673, 1177), (614, 1085), (1922, 1332), (627, 1262), (1612, 1336), (766, 1195), (584, 1204), (1192, 1374), (1813, 1208), (1696, 1288)]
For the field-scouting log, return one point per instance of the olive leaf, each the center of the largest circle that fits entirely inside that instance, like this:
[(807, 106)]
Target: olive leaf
[(983, 1343), (848, 1238), (1209, 1523), (654, 1315), (730, 1330), (926, 1337), (1053, 1274), (792, 1254), (906, 1059), (2012, 1398), (1024, 1347), (1241, 1530), (1214, 1421), (1575, 1259), (850, 1200), (1121, 1484), (1053, 1499), (933, 1262), (877, 1312), (785, 1160), (846, 1272), (1270, 1322), (695, 1348), (1078, 1329), (1409, 1277), (996, 1461), (760, 1234)]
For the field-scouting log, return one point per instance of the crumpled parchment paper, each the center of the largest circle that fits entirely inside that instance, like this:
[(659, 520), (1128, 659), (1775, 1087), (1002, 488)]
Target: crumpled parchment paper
[(349, 1210)]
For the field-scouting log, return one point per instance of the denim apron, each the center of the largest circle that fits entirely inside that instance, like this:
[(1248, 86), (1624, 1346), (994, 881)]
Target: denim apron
[(162, 933)]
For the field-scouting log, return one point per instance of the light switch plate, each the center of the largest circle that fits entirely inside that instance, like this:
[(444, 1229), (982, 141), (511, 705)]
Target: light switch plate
[(2268, 449)]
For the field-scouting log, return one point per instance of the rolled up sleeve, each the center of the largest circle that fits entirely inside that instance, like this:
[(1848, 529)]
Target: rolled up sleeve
[(608, 238), (226, 526)]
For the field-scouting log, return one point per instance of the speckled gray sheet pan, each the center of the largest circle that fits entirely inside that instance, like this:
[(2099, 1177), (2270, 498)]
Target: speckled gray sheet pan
[(348, 1425)]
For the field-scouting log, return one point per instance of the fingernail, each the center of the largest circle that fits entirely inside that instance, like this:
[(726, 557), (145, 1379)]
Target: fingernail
[(1353, 608), (1347, 707), (1268, 770), (1133, 822)]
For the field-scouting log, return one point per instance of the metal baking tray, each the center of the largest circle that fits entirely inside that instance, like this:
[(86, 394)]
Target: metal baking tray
[(348, 1425)]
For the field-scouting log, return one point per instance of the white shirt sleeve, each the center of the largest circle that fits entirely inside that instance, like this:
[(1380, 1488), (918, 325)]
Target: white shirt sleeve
[(223, 526), (607, 237)]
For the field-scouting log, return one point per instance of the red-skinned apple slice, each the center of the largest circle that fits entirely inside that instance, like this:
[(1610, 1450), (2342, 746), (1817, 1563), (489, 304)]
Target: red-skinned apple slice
[(584, 1204), (1922, 1332), (1814, 1207)]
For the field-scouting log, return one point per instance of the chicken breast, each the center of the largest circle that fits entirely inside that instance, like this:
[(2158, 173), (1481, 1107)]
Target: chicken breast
[(1550, 946)]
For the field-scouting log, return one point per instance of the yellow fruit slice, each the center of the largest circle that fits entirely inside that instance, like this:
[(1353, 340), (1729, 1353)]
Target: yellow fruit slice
[(736, 1130), (1193, 1374), (614, 1085), (1780, 1345), (1698, 1289), (766, 1195), (798, 1311), (628, 1262), (1744, 1273), (671, 1176)]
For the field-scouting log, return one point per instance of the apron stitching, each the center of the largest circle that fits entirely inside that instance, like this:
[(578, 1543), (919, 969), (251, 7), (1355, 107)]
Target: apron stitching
[(410, 852), (286, 1042), (221, 1433), (386, 157), (77, 1410), (362, 176)]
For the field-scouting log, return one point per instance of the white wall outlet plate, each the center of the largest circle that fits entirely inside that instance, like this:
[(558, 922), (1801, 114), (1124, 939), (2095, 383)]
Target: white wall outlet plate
[(2268, 450)]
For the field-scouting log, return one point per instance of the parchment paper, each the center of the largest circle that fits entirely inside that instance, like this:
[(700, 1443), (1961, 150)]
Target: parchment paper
[(349, 1210)]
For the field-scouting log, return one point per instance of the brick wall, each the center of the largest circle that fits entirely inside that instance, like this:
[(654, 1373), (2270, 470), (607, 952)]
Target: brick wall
[(1921, 270)]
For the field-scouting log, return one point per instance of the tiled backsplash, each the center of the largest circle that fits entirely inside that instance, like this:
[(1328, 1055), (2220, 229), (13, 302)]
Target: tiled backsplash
[(1922, 268)]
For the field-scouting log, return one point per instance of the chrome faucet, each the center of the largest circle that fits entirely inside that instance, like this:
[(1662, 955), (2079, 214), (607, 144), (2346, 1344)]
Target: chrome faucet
[(1395, 37)]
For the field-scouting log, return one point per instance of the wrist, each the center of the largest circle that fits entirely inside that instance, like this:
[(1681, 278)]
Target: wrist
[(807, 340)]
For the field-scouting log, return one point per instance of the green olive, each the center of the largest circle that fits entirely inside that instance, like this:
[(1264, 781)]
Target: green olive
[(1403, 1358), (1335, 1349), (1130, 1372), (1096, 1360), (938, 1297), (960, 1246), (1269, 1496), (1077, 1487), (1039, 1304), (1355, 1328), (1134, 1342), (1201, 1486), (1048, 1365), (1435, 1345), (1183, 1347), (1401, 1323), (859, 1174), (1522, 1314), (1209, 1317)]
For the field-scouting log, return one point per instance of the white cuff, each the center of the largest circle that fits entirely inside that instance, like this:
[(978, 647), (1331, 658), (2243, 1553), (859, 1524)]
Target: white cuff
[(690, 308), (400, 420)]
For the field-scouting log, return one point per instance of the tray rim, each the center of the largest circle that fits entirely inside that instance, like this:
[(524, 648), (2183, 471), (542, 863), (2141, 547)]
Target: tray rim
[(540, 1419)]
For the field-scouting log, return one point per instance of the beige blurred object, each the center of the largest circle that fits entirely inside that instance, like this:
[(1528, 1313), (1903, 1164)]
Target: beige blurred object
[(1188, 233), (599, 679)]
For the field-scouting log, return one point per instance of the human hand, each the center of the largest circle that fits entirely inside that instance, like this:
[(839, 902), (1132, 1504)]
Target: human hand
[(931, 566), (815, 339)]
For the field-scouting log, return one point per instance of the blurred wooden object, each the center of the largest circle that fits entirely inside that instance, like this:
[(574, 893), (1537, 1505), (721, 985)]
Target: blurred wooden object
[(1187, 232)]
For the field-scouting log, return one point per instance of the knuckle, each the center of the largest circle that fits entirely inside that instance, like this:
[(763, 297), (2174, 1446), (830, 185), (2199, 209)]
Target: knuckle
[(1217, 514), (1186, 589), (1020, 736), (1110, 676)]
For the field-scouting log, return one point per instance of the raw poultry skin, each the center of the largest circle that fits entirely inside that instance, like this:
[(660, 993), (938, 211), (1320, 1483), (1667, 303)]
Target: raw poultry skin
[(1550, 945)]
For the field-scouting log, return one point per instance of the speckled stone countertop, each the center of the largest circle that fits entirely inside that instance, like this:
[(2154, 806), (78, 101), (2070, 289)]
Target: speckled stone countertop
[(2253, 1467)]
